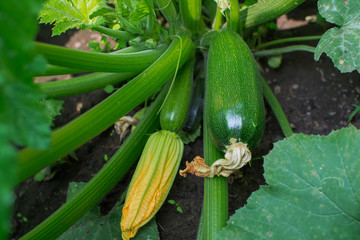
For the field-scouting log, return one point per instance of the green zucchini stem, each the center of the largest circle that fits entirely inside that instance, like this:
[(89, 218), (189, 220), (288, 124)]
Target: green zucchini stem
[(168, 9), (288, 49), (99, 62), (265, 11), (217, 20), (52, 70), (122, 35), (277, 109), (234, 22), (82, 84), (215, 207), (287, 40)]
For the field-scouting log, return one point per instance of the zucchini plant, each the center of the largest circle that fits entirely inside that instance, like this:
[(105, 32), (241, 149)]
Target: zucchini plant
[(169, 54)]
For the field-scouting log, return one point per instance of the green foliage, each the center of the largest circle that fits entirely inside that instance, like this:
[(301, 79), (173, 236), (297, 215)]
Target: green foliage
[(341, 43), (22, 119), (313, 191), (138, 9), (71, 14), (109, 88), (94, 226), (190, 137), (102, 46), (53, 108), (177, 205), (275, 61), (353, 114)]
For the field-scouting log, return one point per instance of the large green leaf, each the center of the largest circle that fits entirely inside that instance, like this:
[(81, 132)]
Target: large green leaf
[(313, 191), (94, 226), (341, 44), (22, 119), (67, 14)]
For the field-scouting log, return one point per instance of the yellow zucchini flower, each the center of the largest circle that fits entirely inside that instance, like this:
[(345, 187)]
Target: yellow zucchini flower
[(152, 180)]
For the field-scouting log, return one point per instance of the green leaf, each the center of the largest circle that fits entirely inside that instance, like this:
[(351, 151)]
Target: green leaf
[(275, 61), (139, 10), (313, 191), (341, 43), (94, 226), (68, 14), (109, 88), (52, 108), (19, 99), (190, 137), (179, 209), (171, 201)]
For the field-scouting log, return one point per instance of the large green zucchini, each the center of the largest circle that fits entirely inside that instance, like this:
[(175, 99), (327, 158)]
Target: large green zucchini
[(233, 93)]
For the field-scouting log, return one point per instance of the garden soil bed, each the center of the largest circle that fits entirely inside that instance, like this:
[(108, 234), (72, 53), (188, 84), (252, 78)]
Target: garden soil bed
[(315, 96)]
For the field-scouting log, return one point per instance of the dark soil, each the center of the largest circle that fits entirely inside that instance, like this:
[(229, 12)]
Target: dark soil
[(315, 96)]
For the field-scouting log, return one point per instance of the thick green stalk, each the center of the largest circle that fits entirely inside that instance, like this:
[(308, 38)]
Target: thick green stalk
[(58, 70), (265, 11), (191, 13), (103, 115), (82, 84), (99, 62), (279, 51), (234, 24), (122, 35), (200, 232), (168, 9), (52, 70), (215, 205), (103, 181), (277, 109), (287, 40), (216, 25)]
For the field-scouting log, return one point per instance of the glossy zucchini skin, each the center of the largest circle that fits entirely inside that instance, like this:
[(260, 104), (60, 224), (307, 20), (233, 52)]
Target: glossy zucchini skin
[(174, 111), (233, 92), (195, 113)]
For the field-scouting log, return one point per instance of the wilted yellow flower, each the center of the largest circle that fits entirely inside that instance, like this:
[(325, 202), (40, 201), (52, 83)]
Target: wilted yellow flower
[(151, 181)]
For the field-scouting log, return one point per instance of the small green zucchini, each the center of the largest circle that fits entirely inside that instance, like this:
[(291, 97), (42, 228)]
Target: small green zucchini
[(195, 113), (233, 100), (174, 111)]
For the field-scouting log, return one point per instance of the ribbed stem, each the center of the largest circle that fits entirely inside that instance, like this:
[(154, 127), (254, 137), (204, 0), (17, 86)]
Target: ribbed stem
[(52, 70), (191, 13), (168, 9), (122, 35), (59, 70), (287, 40), (279, 51), (265, 11), (234, 16), (277, 109), (102, 182), (217, 20), (99, 62), (215, 206), (103, 115), (82, 84)]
